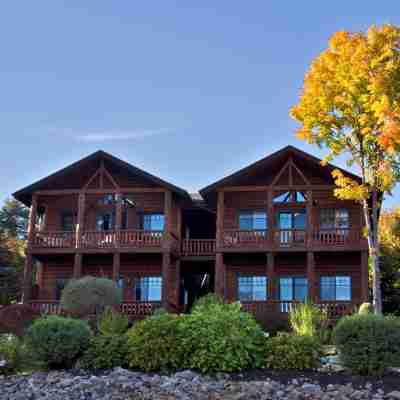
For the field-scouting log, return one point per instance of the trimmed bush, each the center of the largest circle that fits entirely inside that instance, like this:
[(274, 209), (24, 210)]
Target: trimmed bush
[(16, 319), (307, 319), (58, 341), (113, 322), (10, 348), (90, 295), (154, 343), (206, 302), (105, 352), (220, 337), (366, 308), (292, 352), (368, 343)]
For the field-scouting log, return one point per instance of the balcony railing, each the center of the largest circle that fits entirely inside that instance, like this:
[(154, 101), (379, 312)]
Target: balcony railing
[(198, 247), (133, 309), (54, 239), (336, 237), (245, 238), (333, 309)]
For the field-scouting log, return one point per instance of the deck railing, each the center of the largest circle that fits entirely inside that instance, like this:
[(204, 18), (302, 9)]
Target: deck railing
[(333, 309), (336, 237), (54, 239), (140, 238), (133, 309), (198, 247), (290, 237), (245, 238)]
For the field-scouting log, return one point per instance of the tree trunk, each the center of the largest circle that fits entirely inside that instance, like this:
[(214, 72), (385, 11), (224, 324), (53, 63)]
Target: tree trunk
[(371, 220)]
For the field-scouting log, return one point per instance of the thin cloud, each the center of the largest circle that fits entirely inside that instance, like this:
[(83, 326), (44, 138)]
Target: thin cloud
[(106, 136)]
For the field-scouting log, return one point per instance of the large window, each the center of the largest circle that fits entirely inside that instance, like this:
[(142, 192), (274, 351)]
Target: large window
[(293, 289), (335, 288), (334, 218), (252, 220), (252, 287), (148, 288), (153, 222), (67, 222)]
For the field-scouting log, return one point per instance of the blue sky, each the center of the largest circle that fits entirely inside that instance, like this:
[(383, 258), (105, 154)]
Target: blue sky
[(190, 91)]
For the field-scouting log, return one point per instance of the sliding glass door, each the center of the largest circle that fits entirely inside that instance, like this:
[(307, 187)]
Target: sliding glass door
[(292, 225)]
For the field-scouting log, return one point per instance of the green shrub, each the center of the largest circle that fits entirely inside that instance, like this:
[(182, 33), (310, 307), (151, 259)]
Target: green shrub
[(207, 301), (368, 343), (105, 352), (220, 337), (307, 319), (154, 343), (58, 341), (90, 295), (292, 352), (10, 348), (366, 308), (113, 322)]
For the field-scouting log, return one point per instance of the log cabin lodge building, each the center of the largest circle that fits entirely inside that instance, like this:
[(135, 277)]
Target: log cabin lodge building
[(269, 235)]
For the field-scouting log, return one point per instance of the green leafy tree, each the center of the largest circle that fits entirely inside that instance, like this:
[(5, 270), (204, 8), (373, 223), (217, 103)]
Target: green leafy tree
[(14, 218), (350, 104)]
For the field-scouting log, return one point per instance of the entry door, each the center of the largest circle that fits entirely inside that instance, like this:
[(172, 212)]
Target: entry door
[(292, 225)]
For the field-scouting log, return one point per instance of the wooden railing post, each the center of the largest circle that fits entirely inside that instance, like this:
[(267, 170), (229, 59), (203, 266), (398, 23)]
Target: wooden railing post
[(166, 267), (270, 217), (118, 218)]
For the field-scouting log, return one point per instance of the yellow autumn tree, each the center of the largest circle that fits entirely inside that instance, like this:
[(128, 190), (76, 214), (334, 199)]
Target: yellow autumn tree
[(350, 105)]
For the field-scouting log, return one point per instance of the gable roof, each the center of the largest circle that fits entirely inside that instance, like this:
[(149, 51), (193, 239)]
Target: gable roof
[(25, 195), (269, 162)]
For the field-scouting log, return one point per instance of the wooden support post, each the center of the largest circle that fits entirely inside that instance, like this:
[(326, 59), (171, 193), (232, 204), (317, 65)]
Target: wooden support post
[(311, 277), (178, 283), (32, 221), (271, 284), (220, 219), (167, 219), (270, 215), (165, 292), (118, 218), (78, 266), (364, 276), (220, 273), (80, 219), (27, 286), (309, 211), (179, 222), (39, 275), (116, 266)]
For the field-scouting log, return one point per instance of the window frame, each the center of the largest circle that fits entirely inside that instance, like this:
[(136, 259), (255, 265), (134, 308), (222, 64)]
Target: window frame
[(335, 287), (266, 287), (144, 214), (252, 212), (138, 288), (336, 211), (293, 278)]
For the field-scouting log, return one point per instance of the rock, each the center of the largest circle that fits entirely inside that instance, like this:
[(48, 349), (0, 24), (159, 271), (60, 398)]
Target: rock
[(394, 395)]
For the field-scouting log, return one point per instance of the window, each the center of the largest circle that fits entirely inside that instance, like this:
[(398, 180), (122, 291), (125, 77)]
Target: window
[(67, 222), (290, 197), (60, 285), (293, 289), (107, 199), (148, 288), (335, 288), (252, 288), (105, 222), (334, 218), (153, 222), (252, 220)]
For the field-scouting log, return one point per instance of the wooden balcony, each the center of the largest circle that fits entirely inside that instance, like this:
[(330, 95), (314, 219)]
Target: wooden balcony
[(292, 239), (198, 247), (100, 240), (133, 309)]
